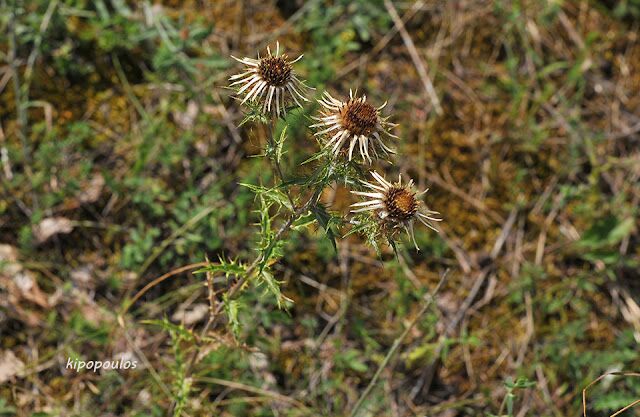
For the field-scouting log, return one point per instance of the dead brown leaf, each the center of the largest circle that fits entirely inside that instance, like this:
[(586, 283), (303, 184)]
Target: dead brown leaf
[(10, 366), (52, 226)]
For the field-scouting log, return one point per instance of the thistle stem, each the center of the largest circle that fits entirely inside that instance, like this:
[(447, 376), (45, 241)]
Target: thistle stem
[(276, 162), (233, 291), (249, 271)]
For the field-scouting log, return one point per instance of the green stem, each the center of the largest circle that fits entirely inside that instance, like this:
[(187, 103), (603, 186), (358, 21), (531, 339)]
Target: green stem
[(233, 291), (276, 162)]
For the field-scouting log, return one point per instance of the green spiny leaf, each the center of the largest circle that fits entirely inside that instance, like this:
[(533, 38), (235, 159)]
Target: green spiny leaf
[(272, 287), (254, 114), (280, 144), (232, 308), (272, 194), (228, 267), (174, 329), (325, 220)]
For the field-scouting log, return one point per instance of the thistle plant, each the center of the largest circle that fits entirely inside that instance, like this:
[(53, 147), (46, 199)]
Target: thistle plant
[(270, 79), (354, 122), (396, 205), (267, 88)]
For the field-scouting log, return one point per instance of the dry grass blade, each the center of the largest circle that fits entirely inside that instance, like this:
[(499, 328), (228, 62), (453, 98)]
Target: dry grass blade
[(396, 346), (600, 378), (248, 388), (156, 282), (415, 57)]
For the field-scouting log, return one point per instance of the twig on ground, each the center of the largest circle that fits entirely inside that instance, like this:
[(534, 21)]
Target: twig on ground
[(429, 372), (382, 43), (598, 379), (156, 282), (415, 57), (248, 388), (148, 365), (20, 98), (478, 204), (4, 157), (625, 133)]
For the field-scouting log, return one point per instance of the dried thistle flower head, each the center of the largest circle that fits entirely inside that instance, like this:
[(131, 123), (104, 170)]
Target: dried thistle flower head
[(353, 122), (396, 205), (270, 79)]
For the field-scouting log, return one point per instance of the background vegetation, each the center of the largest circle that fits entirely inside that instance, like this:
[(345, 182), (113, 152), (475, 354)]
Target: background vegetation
[(121, 161)]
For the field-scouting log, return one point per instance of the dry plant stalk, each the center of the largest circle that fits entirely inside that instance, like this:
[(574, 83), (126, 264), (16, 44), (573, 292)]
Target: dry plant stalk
[(598, 379)]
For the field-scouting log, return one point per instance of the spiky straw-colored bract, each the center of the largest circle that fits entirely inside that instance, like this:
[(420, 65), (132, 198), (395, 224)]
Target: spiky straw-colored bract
[(343, 124), (396, 204), (271, 81)]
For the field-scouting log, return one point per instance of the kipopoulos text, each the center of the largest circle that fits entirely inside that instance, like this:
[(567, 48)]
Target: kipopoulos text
[(118, 364)]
